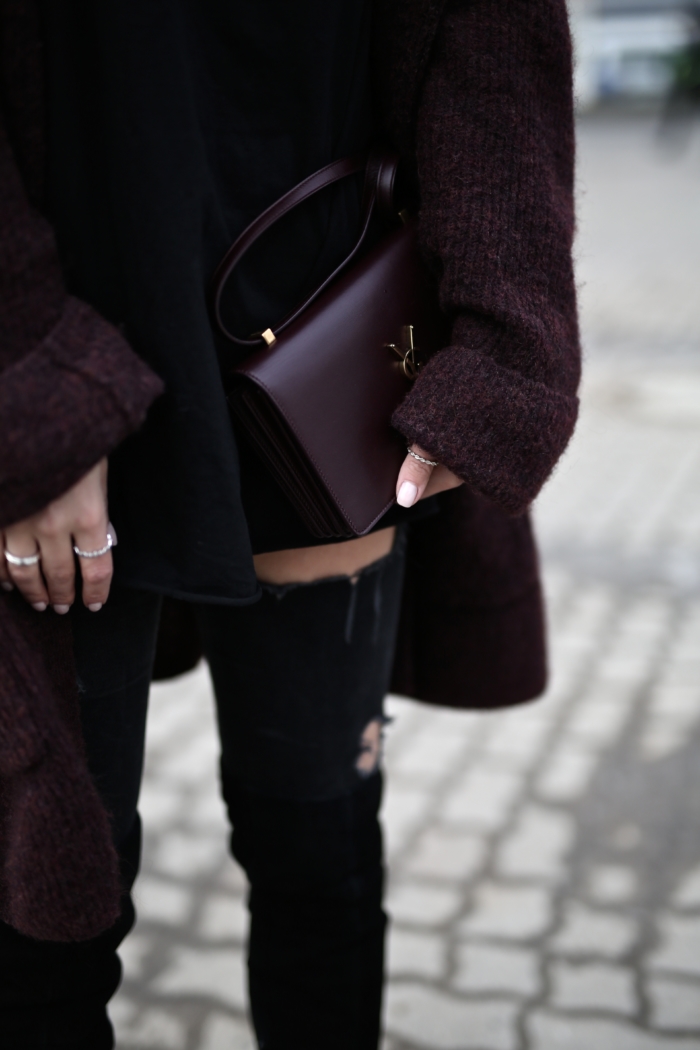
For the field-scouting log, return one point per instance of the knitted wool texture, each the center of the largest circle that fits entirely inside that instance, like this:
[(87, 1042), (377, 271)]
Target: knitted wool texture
[(494, 151), (59, 877)]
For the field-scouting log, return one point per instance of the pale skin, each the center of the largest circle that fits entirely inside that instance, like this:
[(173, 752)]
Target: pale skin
[(80, 518)]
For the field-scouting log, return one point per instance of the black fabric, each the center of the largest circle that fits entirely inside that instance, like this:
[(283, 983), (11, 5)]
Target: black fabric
[(298, 676), (316, 960), (172, 125)]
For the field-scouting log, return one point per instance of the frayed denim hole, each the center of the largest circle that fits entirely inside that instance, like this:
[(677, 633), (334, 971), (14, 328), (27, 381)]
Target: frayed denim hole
[(371, 747)]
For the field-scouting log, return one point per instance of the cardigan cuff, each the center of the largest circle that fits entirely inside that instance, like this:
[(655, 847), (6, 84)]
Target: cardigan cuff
[(64, 406), (497, 430)]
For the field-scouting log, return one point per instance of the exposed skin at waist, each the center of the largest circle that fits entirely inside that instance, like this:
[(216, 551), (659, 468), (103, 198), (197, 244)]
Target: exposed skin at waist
[(306, 564)]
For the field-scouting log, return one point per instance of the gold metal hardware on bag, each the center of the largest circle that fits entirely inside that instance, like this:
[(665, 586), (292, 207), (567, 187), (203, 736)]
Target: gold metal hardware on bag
[(269, 337), (404, 216), (407, 352)]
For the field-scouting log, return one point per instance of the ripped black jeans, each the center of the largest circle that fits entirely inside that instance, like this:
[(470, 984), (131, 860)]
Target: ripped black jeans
[(300, 679)]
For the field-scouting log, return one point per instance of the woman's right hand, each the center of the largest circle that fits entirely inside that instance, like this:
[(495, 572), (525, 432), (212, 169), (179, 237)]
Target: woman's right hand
[(78, 517)]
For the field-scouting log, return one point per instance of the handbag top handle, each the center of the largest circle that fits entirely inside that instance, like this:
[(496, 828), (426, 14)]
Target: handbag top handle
[(378, 195)]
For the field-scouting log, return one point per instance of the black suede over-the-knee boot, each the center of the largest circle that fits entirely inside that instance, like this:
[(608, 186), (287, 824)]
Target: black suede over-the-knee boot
[(317, 925)]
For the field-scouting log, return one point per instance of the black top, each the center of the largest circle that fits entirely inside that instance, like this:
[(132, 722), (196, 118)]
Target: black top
[(172, 125)]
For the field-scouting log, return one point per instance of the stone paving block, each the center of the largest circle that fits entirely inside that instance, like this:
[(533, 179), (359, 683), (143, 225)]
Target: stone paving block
[(484, 797), (171, 706), (592, 986), (430, 755), (538, 845), (491, 969), (447, 722), (207, 812), (159, 803), (232, 879), (152, 1028), (675, 1005), (403, 809), (224, 918), (625, 669), (194, 762), (210, 972), (422, 905), (586, 931), (444, 854), (427, 1017), (612, 884), (160, 901), (548, 1031), (663, 734), (133, 952), (416, 954), (670, 699), (687, 894), (682, 672), (520, 742), (567, 773), (508, 912), (598, 721), (679, 950), (220, 1032), (183, 855)]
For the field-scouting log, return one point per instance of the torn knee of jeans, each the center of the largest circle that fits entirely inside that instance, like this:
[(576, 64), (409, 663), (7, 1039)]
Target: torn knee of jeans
[(371, 743)]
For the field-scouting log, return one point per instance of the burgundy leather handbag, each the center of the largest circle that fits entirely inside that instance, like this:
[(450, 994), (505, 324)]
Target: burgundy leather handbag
[(316, 398)]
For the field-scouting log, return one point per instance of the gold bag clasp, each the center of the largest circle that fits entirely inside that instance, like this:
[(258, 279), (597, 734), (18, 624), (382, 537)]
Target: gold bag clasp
[(410, 366)]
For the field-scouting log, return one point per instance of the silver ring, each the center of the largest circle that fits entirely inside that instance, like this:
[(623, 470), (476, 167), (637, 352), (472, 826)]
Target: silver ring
[(96, 554), (421, 459), (31, 559)]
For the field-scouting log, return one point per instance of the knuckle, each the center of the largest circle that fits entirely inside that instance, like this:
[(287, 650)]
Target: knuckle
[(97, 574), (61, 578), (90, 519), (50, 524)]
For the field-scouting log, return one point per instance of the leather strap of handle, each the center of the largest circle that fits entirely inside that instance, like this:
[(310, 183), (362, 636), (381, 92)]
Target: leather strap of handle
[(380, 173)]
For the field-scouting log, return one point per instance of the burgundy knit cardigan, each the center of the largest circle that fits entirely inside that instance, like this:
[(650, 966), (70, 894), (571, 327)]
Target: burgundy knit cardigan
[(476, 94)]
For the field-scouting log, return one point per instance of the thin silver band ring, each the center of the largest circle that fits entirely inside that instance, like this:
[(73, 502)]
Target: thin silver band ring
[(421, 459), (96, 554), (31, 559)]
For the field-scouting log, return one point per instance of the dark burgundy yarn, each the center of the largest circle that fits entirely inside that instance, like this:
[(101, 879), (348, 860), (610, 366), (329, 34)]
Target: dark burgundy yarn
[(477, 96)]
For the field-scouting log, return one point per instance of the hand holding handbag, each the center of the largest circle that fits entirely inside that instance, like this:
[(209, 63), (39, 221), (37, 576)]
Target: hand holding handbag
[(317, 396)]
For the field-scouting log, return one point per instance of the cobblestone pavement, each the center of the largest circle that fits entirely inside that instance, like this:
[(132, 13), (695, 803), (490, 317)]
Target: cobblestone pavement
[(545, 862)]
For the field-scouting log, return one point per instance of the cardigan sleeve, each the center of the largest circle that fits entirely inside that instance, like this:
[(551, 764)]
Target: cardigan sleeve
[(495, 152), (71, 388)]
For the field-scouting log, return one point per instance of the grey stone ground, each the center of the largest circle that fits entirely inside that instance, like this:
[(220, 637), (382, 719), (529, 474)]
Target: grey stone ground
[(545, 863)]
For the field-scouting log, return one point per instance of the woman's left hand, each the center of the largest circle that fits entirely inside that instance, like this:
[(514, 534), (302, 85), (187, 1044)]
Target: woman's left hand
[(417, 480)]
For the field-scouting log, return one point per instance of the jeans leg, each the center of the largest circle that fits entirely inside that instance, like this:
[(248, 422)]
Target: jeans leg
[(54, 996), (300, 680), (316, 956)]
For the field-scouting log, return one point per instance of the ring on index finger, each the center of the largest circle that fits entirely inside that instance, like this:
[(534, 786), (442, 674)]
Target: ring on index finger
[(15, 559)]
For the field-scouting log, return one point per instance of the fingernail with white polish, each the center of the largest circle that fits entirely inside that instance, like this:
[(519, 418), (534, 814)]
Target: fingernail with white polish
[(6, 586), (61, 609), (39, 606), (95, 607), (407, 494)]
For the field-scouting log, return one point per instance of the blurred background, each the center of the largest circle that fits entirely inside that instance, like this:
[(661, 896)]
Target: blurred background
[(544, 863)]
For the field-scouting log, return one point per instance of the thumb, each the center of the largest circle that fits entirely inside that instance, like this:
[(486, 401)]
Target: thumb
[(414, 476)]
